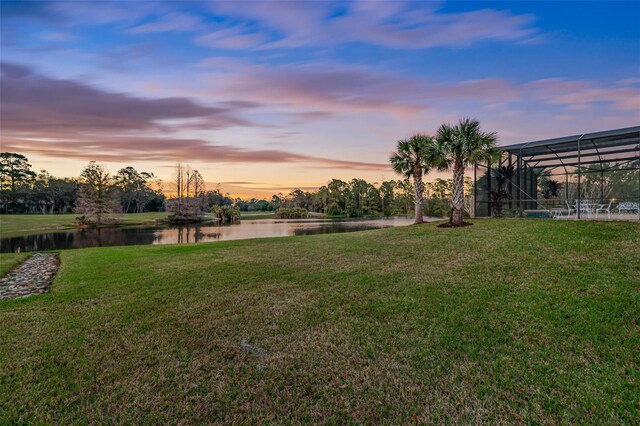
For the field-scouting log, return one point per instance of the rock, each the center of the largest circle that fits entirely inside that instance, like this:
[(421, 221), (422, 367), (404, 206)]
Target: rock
[(33, 276)]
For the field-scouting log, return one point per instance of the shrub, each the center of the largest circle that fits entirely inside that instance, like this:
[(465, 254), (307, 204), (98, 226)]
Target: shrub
[(84, 222), (226, 214), (437, 207), (291, 213)]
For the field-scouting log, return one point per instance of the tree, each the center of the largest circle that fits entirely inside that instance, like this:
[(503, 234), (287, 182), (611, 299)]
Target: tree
[(135, 189), (551, 189), (460, 146), (197, 182), (64, 193), (387, 196), (97, 196), (40, 194), (15, 174), (413, 159), (191, 202), (502, 175)]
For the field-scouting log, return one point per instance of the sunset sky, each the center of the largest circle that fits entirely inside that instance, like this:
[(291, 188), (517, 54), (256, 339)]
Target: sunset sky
[(266, 96)]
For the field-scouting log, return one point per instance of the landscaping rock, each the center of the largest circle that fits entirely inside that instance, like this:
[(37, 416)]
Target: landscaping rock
[(33, 276)]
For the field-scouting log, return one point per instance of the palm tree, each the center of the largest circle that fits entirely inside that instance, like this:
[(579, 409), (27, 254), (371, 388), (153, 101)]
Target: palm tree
[(460, 146), (413, 158)]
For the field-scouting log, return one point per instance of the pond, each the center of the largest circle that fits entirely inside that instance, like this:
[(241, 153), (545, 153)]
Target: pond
[(195, 233)]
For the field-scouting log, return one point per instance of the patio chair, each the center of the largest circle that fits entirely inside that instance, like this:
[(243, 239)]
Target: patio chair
[(604, 208), (570, 208), (628, 207), (584, 207)]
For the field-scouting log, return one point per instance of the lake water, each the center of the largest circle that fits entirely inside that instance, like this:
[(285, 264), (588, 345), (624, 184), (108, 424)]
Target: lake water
[(195, 233)]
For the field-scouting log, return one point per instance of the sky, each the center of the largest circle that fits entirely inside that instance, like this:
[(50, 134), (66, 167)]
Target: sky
[(266, 96)]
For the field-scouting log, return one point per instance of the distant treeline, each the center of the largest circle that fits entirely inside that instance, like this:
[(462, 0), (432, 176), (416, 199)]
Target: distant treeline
[(358, 198), (22, 190)]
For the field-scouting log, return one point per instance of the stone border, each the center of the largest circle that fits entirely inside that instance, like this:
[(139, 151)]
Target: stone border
[(33, 276)]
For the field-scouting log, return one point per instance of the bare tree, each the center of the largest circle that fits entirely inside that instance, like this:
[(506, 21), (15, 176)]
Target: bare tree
[(190, 202), (199, 187)]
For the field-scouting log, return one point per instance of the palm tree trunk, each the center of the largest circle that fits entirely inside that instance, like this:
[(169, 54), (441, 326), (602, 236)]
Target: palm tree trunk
[(418, 188), (457, 198)]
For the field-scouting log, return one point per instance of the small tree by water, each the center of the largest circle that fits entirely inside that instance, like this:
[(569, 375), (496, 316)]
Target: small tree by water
[(97, 196), (226, 214), (190, 202)]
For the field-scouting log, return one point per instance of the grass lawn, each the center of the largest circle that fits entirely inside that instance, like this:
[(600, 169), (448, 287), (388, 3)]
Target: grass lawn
[(9, 260), (506, 321), (24, 224), (256, 215)]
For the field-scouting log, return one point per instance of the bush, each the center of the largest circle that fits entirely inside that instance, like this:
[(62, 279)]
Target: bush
[(437, 207), (84, 222), (226, 214), (89, 222), (291, 213)]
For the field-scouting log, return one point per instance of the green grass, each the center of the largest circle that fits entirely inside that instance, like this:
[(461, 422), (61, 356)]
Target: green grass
[(506, 321), (25, 224), (256, 215), (9, 260)]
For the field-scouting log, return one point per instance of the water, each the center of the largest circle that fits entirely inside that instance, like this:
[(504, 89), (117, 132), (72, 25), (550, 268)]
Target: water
[(195, 233)]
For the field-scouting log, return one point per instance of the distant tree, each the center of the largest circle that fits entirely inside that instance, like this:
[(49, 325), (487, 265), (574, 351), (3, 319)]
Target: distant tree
[(179, 180), (187, 206), (440, 188), (217, 198), (460, 146), (413, 158), (41, 195), (136, 189), (502, 175), (226, 214), (64, 193), (97, 196), (387, 195), (197, 182), (15, 176), (277, 201), (551, 189)]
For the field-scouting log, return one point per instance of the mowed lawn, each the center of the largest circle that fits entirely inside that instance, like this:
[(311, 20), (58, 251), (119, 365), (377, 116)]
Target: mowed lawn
[(12, 225), (9, 260), (506, 321)]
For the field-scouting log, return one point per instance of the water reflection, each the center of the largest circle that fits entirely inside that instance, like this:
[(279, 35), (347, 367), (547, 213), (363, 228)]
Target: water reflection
[(184, 234)]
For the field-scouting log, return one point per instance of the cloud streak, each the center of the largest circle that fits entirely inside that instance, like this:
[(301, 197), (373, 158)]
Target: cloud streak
[(405, 25), (325, 86), (32, 103), (67, 119), (122, 149)]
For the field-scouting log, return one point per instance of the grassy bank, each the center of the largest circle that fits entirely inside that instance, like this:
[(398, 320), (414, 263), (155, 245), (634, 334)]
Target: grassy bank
[(512, 321), (9, 260), (25, 224), (256, 215)]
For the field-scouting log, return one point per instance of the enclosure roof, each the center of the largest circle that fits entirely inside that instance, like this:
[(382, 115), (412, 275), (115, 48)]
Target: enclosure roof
[(626, 134), (609, 149)]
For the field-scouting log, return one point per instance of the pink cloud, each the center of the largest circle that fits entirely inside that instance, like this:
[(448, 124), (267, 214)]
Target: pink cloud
[(231, 38), (336, 87), (32, 103), (580, 94), (68, 119), (322, 86), (138, 148)]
